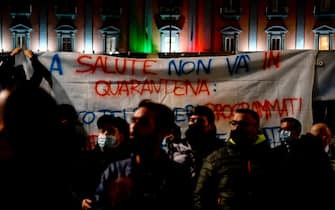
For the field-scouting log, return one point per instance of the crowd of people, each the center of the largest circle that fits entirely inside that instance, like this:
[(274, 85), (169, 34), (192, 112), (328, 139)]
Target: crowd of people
[(148, 164)]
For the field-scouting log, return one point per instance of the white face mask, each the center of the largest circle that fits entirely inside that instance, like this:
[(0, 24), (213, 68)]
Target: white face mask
[(164, 144), (107, 140), (284, 136), (327, 148)]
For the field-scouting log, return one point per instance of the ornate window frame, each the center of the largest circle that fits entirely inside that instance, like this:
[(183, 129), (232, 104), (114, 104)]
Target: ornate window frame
[(230, 39), (170, 33), (110, 32), (276, 32), (323, 30), (65, 31)]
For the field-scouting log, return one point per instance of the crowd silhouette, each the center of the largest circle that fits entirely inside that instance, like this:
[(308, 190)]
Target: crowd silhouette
[(148, 163)]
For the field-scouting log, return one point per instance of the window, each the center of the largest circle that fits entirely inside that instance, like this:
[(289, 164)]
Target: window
[(20, 41), (65, 8), (230, 6), (169, 39), (277, 9), (276, 37), (111, 44), (110, 39), (66, 44), (323, 42), (230, 9), (111, 11), (170, 9), (20, 27), (325, 5), (170, 44), (66, 12), (230, 39), (274, 6), (20, 8), (65, 38), (229, 44), (324, 36), (324, 8), (275, 43), (21, 36)]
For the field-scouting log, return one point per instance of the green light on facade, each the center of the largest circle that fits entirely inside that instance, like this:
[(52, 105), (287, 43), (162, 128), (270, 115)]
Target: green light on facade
[(140, 41), (140, 32)]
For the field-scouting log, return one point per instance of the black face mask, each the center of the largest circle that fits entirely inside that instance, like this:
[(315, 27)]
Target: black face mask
[(239, 137), (195, 129), (195, 134)]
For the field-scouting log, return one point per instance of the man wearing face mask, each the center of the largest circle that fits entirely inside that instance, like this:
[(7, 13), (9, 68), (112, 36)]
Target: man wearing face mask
[(113, 144), (201, 135), (290, 130), (106, 137), (236, 176), (307, 175), (148, 178), (113, 138), (289, 133)]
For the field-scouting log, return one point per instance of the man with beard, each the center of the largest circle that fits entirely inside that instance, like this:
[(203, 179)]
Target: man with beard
[(201, 135), (236, 176), (148, 178)]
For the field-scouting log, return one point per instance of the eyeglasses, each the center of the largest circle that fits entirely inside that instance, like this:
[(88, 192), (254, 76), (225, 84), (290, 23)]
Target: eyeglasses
[(240, 123)]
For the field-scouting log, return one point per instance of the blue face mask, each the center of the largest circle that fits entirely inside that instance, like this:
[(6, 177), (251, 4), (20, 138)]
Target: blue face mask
[(284, 136), (110, 141), (106, 140)]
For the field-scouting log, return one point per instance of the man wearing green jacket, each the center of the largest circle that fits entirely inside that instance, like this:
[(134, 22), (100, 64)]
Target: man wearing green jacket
[(236, 177)]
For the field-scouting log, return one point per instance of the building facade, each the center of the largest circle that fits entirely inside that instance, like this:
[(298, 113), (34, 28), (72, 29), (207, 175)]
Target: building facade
[(166, 26)]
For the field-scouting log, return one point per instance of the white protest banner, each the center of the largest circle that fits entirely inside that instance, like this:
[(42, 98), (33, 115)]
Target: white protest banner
[(276, 84)]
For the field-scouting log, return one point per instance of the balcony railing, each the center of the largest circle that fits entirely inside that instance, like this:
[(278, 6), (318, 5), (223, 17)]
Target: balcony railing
[(324, 12), (70, 11), (20, 10), (230, 13), (108, 12), (169, 13), (276, 13)]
